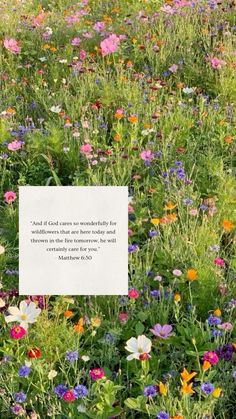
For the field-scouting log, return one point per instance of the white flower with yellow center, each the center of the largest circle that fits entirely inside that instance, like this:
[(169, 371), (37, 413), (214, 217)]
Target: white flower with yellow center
[(139, 347), (25, 314)]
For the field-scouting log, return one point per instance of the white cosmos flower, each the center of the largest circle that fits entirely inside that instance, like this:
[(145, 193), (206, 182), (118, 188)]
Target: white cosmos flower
[(26, 313), (138, 346), (55, 109)]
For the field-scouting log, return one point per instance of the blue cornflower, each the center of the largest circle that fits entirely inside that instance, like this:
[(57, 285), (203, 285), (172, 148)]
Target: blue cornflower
[(149, 391), (155, 293), (19, 397), (215, 333), (162, 415), (152, 233), (71, 356), (60, 390), (23, 371), (213, 320), (132, 247), (80, 391), (207, 388)]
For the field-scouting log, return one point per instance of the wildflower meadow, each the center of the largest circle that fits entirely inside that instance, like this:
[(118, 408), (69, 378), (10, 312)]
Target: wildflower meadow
[(139, 93)]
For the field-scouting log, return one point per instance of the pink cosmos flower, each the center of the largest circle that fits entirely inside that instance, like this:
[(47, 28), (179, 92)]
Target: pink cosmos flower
[(173, 68), (99, 26), (219, 261), (146, 155), (133, 293), (11, 45), (225, 326), (82, 54), (130, 232), (85, 148), (17, 332), (211, 357), (216, 63), (75, 41), (162, 332), (69, 396), (14, 145), (9, 197), (96, 373), (109, 44)]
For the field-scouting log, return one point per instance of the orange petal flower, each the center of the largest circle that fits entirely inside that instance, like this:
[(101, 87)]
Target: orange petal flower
[(206, 365), (132, 119), (186, 388), (162, 389), (68, 313), (186, 375), (79, 326), (227, 225), (191, 274)]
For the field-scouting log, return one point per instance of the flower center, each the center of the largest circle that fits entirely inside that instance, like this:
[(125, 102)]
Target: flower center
[(23, 317)]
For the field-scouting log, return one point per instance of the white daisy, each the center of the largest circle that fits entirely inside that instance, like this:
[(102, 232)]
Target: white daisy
[(26, 313)]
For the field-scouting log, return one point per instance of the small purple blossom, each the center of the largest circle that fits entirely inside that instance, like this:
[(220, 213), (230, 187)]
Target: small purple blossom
[(19, 397), (207, 388), (162, 332), (23, 371), (71, 356), (149, 391)]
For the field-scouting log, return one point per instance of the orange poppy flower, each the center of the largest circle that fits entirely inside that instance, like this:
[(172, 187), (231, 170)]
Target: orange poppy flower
[(169, 206), (187, 388), (227, 225), (117, 137), (191, 274), (217, 312), (133, 119), (79, 326), (186, 375), (206, 365), (68, 314)]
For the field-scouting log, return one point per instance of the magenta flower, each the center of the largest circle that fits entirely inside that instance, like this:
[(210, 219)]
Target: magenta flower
[(11, 45), (162, 332), (9, 197), (17, 332), (219, 261), (211, 357), (96, 373), (109, 44), (225, 326)]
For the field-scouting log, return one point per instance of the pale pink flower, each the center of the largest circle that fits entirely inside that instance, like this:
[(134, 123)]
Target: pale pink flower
[(85, 148), (146, 155), (216, 63), (173, 68), (14, 145), (225, 326), (99, 26), (75, 41), (9, 197), (11, 45), (109, 44)]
